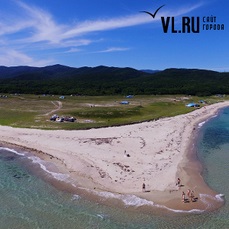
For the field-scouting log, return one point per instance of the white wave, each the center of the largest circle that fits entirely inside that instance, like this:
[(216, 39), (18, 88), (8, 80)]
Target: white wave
[(102, 216), (220, 197), (205, 197), (135, 201), (201, 124), (128, 200), (12, 151), (58, 176), (132, 200), (178, 210), (183, 211)]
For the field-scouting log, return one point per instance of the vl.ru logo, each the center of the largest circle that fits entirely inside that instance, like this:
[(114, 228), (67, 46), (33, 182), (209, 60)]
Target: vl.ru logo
[(194, 24), (188, 25), (191, 24)]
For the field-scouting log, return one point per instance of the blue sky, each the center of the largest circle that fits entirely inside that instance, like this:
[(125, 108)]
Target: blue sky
[(113, 33)]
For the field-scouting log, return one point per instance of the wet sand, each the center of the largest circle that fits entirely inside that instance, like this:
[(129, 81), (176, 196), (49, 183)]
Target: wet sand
[(120, 159)]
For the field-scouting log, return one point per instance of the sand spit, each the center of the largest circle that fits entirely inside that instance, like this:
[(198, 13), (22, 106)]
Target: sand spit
[(120, 159)]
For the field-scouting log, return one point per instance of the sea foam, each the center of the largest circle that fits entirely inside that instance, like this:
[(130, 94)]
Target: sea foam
[(135, 201), (218, 197), (12, 151), (128, 199), (205, 199), (76, 197), (201, 124), (41, 163)]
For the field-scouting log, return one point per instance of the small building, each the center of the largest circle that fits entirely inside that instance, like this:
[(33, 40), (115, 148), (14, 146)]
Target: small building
[(129, 96)]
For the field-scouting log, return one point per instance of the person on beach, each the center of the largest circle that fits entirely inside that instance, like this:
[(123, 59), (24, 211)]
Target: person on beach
[(188, 193), (192, 196), (183, 196), (143, 187), (178, 182), (126, 154)]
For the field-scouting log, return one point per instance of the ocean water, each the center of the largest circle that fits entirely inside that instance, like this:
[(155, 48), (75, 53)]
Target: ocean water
[(28, 198)]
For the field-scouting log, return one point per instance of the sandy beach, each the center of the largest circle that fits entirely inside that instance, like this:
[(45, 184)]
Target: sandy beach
[(121, 159)]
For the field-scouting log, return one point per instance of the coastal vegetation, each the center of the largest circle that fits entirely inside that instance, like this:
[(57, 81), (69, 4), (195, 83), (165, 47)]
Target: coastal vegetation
[(35, 111), (98, 97)]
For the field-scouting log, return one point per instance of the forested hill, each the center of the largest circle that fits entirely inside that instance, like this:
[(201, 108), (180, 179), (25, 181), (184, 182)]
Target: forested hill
[(102, 80)]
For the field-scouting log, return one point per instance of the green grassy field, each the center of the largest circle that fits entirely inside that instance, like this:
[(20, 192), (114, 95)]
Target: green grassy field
[(33, 111)]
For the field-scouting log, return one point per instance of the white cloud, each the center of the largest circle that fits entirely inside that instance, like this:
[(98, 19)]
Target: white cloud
[(11, 57), (76, 42), (106, 24), (114, 49), (73, 50), (13, 26), (37, 29), (44, 28), (122, 22)]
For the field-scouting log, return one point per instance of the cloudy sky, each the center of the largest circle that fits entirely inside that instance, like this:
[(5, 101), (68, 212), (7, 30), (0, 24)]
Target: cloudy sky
[(113, 33)]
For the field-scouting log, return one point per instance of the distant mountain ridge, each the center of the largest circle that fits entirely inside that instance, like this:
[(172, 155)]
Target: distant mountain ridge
[(103, 80), (11, 72), (149, 70)]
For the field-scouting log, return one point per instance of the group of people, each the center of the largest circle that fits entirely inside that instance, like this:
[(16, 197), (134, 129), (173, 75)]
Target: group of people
[(190, 196), (190, 193)]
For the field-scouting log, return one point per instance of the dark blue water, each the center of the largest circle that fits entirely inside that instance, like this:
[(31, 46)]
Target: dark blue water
[(29, 200)]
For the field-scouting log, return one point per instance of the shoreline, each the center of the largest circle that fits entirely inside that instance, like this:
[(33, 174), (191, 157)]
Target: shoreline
[(119, 159)]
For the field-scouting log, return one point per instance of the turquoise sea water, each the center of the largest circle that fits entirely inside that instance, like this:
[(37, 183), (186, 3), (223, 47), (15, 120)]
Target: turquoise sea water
[(28, 200)]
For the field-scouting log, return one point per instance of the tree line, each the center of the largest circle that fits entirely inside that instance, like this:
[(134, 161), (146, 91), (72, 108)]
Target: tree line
[(113, 81)]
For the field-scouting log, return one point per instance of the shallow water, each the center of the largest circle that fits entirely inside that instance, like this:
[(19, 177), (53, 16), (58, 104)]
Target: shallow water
[(29, 201)]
